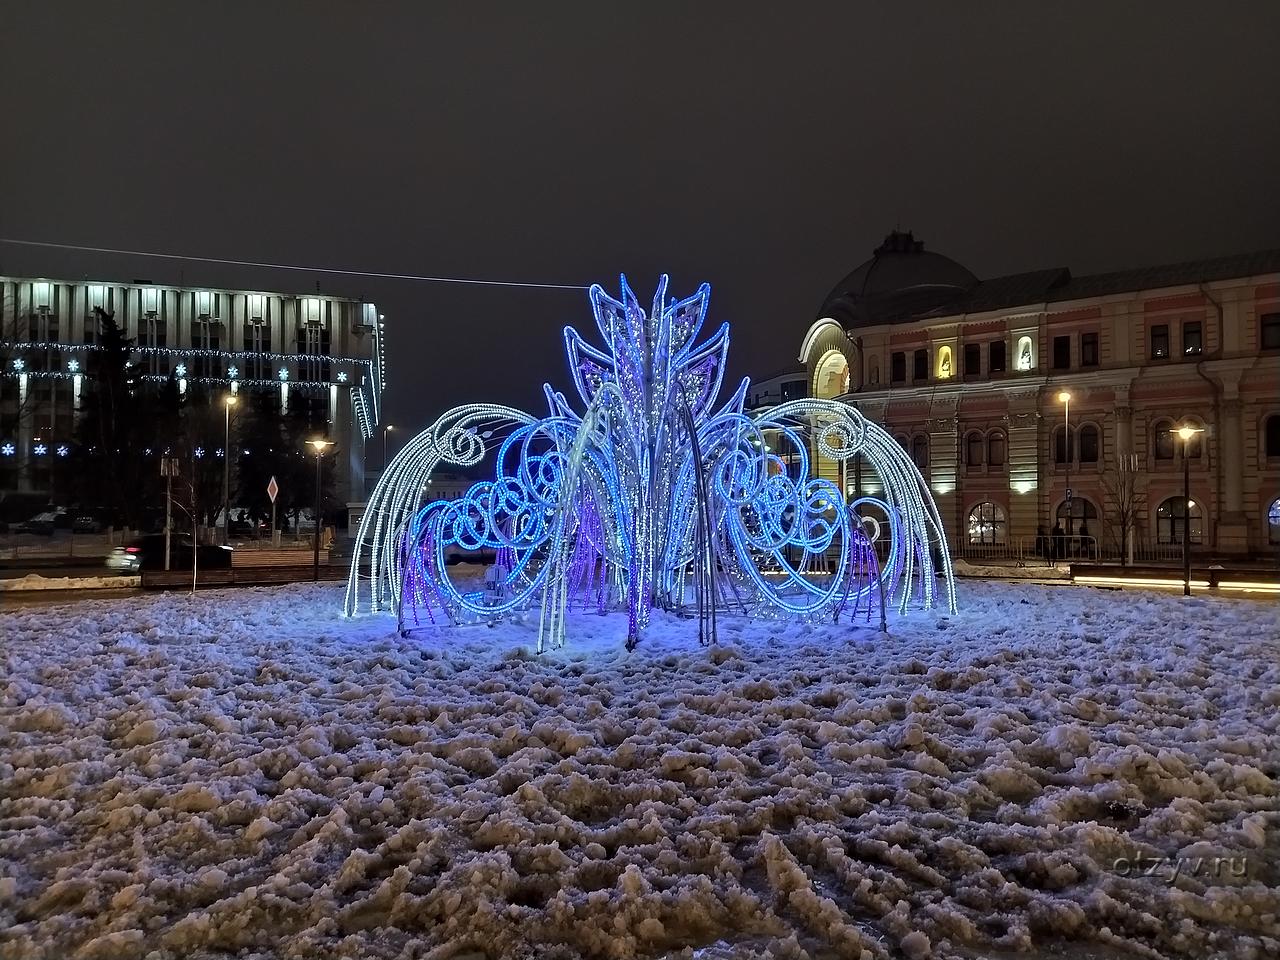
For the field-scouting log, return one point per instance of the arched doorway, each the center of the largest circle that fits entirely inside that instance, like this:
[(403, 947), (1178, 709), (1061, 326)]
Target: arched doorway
[(831, 380)]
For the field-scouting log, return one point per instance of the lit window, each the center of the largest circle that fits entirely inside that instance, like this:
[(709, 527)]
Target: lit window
[(987, 524)]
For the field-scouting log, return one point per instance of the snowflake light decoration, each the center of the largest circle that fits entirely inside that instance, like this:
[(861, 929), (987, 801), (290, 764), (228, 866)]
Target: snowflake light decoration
[(63, 450), (19, 365), (39, 449), (284, 374), (73, 365), (180, 371), (342, 376), (233, 372), (8, 450), (199, 453), (651, 496)]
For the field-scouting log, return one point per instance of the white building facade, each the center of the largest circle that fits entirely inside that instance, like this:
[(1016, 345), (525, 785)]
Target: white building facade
[(312, 348)]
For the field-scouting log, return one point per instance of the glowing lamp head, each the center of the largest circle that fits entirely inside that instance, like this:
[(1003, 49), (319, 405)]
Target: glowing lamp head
[(319, 444), (231, 400), (1186, 433), (1064, 396)]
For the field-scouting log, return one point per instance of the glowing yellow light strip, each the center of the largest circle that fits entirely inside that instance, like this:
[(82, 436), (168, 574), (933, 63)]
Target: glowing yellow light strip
[(1249, 586), (1139, 582)]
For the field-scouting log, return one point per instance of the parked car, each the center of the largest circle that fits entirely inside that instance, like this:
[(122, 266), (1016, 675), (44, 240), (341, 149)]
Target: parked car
[(147, 553), (86, 523), (41, 523)]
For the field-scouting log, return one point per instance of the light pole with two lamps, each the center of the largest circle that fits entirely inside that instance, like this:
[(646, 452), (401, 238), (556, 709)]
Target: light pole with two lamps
[(229, 401), (1186, 432), (320, 444)]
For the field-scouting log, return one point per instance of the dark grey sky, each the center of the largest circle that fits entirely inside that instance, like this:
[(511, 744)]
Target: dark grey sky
[(766, 148)]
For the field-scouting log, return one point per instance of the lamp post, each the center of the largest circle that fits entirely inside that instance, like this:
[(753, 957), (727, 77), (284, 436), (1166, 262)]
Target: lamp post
[(385, 430), (228, 402), (1186, 432), (1064, 397), (320, 445)]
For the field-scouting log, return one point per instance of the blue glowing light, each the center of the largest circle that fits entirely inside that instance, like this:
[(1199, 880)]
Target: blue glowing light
[(180, 370), (8, 450), (63, 450), (39, 449), (652, 496), (73, 365)]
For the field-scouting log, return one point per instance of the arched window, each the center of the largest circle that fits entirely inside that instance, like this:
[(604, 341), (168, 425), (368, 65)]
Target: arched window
[(1163, 440), (1273, 436), (973, 449), (995, 449), (1063, 447), (1080, 520), (903, 442), (1170, 517), (920, 450), (987, 523), (1273, 521), (1089, 443)]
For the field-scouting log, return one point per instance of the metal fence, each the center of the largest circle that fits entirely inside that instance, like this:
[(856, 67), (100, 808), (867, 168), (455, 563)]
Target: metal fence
[(1045, 550)]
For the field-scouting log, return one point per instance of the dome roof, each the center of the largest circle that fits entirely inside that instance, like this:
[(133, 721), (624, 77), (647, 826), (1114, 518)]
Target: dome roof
[(902, 280)]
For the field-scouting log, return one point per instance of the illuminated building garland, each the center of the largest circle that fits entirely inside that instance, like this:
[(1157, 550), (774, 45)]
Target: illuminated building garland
[(651, 497)]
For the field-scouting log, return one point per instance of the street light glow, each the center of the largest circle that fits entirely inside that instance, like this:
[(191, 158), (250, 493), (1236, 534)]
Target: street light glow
[(231, 399), (1187, 432), (1064, 396), (319, 444)]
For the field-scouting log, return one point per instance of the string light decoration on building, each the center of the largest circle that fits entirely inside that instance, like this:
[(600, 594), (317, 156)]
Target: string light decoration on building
[(651, 497)]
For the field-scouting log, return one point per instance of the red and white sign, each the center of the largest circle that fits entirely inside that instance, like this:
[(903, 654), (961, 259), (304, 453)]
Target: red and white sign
[(273, 488)]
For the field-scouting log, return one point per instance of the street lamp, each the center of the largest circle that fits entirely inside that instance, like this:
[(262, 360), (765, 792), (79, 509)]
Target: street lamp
[(320, 445), (1186, 432), (228, 402), (385, 430), (1064, 397)]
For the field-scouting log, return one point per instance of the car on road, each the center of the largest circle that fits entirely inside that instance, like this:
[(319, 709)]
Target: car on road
[(147, 553)]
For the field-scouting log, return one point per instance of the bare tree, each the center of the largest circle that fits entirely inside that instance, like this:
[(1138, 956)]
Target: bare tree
[(1124, 503)]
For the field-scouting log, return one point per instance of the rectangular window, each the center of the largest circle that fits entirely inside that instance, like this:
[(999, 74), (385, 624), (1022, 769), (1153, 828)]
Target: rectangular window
[(972, 359), (1160, 341), (995, 359), (206, 335), (1061, 353), (1270, 328), (257, 340), (1192, 339), (898, 366), (1088, 349), (920, 365)]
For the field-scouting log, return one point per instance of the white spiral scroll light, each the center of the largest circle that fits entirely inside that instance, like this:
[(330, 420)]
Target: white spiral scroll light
[(651, 497)]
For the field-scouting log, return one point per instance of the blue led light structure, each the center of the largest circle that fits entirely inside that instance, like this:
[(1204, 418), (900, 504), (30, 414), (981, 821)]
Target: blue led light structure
[(651, 496)]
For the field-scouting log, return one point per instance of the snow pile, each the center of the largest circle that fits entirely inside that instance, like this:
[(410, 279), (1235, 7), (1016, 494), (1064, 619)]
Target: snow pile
[(245, 773), (34, 581)]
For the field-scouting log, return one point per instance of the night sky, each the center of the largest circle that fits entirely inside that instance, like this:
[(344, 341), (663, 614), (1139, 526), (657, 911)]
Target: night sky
[(766, 148)]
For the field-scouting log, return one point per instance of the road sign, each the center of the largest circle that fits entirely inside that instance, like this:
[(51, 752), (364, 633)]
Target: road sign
[(273, 488), (169, 467)]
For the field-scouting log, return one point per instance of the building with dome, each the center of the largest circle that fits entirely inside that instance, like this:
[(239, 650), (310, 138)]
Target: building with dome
[(1044, 397)]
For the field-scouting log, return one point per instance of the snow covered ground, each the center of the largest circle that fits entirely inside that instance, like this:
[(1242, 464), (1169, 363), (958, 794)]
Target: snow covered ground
[(247, 774)]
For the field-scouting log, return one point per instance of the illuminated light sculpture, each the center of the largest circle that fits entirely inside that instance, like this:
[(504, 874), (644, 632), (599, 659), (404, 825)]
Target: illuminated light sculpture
[(651, 497)]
